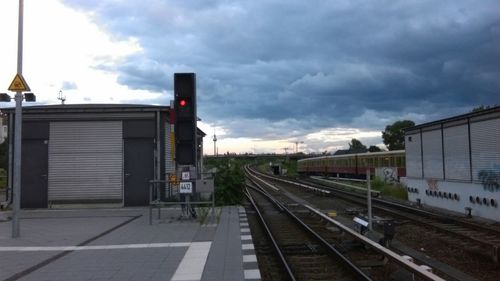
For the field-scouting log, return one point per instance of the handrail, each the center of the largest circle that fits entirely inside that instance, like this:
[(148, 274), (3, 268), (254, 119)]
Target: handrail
[(379, 248)]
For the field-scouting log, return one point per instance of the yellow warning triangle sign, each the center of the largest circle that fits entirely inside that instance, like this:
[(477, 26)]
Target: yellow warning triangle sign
[(19, 84)]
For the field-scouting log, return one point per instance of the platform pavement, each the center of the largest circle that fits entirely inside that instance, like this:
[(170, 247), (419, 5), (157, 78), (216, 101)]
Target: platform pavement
[(119, 244)]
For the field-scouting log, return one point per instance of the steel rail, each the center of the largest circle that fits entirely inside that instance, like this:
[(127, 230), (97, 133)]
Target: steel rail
[(271, 237), (360, 275)]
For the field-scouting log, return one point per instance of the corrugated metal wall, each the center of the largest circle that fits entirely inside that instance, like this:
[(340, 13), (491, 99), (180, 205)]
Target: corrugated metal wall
[(413, 155), (456, 152), (485, 147), (169, 156), (86, 161), (470, 148), (432, 154)]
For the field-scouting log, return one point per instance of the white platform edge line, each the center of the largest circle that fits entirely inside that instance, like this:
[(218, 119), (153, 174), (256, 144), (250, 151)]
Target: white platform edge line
[(94, 247)]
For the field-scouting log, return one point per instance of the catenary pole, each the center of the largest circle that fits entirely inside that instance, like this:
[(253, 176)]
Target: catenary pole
[(369, 198)]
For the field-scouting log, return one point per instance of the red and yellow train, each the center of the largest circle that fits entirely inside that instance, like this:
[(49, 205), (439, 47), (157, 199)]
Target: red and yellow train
[(353, 165)]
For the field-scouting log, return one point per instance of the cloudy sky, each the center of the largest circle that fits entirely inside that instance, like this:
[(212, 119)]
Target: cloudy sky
[(269, 73)]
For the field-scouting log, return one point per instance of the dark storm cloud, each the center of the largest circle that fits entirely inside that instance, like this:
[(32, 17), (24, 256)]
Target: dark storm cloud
[(314, 64)]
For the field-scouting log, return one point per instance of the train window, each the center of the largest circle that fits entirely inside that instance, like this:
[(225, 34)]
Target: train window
[(387, 161)]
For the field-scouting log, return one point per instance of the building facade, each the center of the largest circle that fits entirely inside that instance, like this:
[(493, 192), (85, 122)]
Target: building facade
[(93, 153), (454, 163)]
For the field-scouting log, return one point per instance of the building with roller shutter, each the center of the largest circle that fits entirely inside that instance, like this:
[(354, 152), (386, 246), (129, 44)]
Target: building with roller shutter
[(454, 163), (94, 153)]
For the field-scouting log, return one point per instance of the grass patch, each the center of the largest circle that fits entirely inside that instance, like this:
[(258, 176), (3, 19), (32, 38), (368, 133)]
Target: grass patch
[(388, 190), (397, 190)]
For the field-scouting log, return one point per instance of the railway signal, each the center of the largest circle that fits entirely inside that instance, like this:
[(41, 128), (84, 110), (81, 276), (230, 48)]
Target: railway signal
[(185, 118)]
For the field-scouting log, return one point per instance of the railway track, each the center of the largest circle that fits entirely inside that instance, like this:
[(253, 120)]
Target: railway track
[(489, 229), (304, 255), (350, 249), (477, 238), (473, 237)]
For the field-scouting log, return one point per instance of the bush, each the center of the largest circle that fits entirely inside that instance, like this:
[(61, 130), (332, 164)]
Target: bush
[(378, 184), (229, 180)]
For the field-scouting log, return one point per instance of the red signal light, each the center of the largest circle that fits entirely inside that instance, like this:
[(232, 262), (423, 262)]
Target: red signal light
[(182, 103)]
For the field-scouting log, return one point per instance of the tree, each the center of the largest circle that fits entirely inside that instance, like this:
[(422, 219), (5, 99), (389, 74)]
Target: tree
[(374, 148), (394, 136), (482, 107), (355, 146)]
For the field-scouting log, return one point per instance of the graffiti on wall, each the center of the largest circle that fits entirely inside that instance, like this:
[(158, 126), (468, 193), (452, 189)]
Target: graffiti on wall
[(490, 178), (432, 184), (390, 175), (387, 174)]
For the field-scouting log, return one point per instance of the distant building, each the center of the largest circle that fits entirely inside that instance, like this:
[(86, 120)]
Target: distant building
[(454, 163)]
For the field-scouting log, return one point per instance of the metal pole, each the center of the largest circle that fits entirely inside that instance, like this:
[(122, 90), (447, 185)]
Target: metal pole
[(17, 133), (369, 196), (10, 187)]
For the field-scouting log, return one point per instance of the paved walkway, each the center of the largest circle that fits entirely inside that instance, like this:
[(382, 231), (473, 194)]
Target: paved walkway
[(119, 244)]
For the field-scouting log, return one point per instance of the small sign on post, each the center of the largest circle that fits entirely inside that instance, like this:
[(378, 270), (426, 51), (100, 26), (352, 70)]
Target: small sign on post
[(185, 187), (185, 176), (18, 84)]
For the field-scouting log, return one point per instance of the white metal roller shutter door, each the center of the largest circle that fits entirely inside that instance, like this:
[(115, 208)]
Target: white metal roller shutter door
[(413, 156), (485, 148), (456, 152), (433, 154), (169, 158), (86, 160)]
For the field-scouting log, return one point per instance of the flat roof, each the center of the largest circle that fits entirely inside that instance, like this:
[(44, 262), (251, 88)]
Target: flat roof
[(91, 107), (495, 109), (87, 107)]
